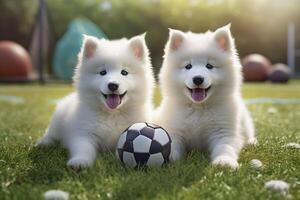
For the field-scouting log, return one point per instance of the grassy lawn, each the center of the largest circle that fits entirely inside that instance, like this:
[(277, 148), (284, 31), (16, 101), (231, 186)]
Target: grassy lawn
[(26, 172)]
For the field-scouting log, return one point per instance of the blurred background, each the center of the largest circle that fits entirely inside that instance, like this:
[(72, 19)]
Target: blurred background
[(50, 31)]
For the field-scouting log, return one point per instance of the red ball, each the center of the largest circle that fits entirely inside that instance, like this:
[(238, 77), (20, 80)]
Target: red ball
[(15, 62), (256, 68)]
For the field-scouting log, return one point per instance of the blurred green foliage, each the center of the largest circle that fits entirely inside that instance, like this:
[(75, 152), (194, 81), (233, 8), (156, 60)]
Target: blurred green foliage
[(16, 20), (258, 25)]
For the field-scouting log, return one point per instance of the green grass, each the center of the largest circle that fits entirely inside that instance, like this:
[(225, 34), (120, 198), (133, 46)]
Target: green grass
[(26, 172)]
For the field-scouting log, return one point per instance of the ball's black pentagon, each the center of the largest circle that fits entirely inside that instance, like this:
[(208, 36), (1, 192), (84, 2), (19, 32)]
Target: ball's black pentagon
[(166, 150), (128, 146), (131, 135), (120, 154), (148, 132), (141, 158), (155, 147), (152, 125)]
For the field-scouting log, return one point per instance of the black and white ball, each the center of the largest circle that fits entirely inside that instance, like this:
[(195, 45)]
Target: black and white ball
[(144, 144)]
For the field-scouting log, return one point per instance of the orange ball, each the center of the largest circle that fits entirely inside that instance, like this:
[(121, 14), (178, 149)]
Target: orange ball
[(15, 62)]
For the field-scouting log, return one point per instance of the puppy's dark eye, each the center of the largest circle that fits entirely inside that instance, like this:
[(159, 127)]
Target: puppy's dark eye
[(103, 72), (209, 66), (189, 66), (124, 72)]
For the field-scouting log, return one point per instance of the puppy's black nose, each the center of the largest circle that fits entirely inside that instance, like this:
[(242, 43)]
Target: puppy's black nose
[(113, 86), (198, 80)]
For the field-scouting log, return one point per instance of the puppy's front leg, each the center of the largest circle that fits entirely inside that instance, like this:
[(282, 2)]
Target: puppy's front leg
[(224, 151), (177, 149), (82, 153)]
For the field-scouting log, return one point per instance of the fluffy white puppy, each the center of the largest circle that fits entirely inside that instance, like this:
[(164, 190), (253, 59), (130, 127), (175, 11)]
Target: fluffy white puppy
[(202, 105), (113, 89)]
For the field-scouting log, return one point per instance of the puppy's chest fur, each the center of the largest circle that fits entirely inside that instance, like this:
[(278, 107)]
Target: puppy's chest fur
[(199, 124), (107, 129)]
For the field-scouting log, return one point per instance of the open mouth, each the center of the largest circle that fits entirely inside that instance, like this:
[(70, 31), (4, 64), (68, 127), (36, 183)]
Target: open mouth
[(199, 94), (113, 100)]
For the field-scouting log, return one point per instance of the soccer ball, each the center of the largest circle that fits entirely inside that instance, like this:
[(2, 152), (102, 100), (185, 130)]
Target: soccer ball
[(144, 144)]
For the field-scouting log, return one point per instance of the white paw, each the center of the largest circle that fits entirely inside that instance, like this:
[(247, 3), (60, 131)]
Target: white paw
[(225, 161), (252, 141), (43, 142), (175, 155), (80, 162), (176, 152)]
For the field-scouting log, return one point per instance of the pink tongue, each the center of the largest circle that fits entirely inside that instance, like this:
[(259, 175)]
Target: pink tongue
[(198, 94), (113, 100)]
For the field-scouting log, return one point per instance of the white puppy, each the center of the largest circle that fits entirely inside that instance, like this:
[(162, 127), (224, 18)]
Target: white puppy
[(202, 105), (113, 89)]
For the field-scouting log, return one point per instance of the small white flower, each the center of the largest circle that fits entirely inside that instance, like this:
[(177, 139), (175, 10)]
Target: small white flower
[(255, 163), (56, 195), (272, 110), (109, 195), (277, 185), (292, 145), (106, 5)]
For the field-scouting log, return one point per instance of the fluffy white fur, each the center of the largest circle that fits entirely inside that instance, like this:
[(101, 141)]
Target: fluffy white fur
[(220, 123), (278, 185), (83, 121)]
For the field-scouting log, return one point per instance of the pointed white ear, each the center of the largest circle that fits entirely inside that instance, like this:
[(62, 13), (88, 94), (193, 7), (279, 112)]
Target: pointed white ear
[(138, 46), (223, 37), (89, 46), (176, 38)]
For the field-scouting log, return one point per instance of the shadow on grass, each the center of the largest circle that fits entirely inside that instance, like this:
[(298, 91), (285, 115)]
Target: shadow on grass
[(107, 176), (145, 183), (48, 164)]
